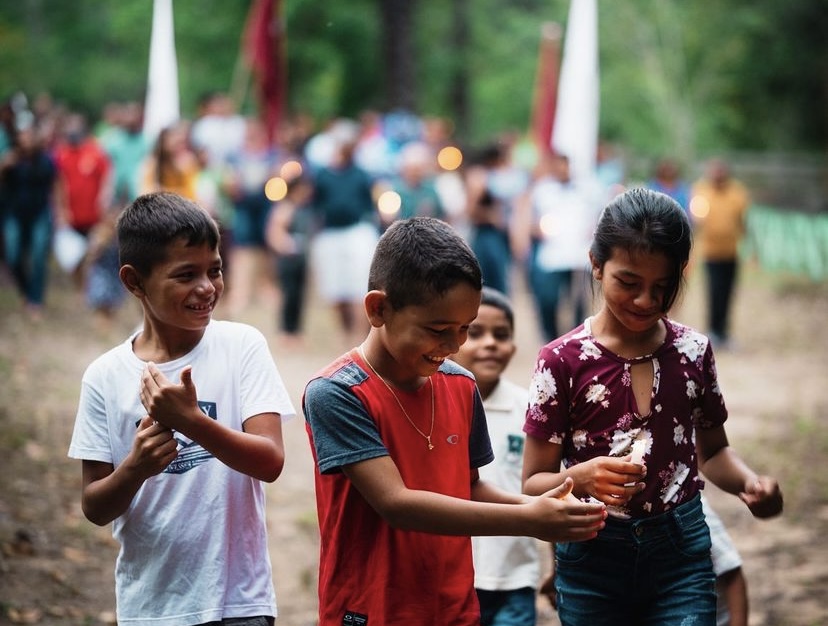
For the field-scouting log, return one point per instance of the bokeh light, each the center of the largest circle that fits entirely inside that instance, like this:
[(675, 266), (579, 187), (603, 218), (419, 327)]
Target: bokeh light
[(389, 203), (549, 226), (291, 170), (276, 189), (699, 207), (450, 158)]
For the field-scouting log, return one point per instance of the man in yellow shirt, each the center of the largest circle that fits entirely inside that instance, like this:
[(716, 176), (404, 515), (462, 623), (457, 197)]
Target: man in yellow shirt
[(719, 206)]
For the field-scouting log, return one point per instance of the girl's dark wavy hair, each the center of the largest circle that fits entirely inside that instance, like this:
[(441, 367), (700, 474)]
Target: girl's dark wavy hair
[(643, 220)]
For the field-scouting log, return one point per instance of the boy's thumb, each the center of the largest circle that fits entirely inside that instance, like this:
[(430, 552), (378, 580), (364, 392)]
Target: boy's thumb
[(187, 376), (562, 490)]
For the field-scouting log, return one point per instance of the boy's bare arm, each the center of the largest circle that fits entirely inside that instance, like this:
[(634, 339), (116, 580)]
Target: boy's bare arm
[(257, 451), (485, 491), (107, 491), (555, 516), (733, 586)]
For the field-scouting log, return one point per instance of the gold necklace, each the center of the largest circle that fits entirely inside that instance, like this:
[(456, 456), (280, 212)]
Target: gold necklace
[(402, 408)]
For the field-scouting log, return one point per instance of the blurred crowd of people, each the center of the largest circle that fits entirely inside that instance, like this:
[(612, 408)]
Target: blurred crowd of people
[(307, 208)]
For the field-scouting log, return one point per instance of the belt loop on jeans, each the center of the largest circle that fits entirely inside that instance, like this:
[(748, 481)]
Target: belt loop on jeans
[(683, 512)]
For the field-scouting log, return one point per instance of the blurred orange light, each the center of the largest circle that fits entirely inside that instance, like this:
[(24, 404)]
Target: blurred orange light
[(291, 170), (276, 189), (450, 158)]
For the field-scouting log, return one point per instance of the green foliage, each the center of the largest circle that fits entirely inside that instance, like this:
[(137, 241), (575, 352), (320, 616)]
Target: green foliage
[(88, 52), (504, 60), (681, 77), (785, 89), (333, 64), (208, 44)]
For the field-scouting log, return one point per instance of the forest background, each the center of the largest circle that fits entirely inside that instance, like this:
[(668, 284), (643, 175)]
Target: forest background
[(681, 78), (743, 79)]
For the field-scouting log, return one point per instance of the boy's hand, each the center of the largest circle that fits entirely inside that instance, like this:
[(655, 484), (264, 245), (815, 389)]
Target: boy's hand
[(563, 517), (166, 402), (153, 448), (763, 497)]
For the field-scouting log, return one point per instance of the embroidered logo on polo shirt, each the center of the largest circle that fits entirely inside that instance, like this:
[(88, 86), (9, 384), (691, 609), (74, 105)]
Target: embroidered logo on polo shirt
[(515, 449)]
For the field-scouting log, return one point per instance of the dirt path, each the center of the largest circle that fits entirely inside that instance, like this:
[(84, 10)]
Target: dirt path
[(56, 568)]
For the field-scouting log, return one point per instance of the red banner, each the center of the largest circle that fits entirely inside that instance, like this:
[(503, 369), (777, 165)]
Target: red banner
[(264, 44), (546, 87)]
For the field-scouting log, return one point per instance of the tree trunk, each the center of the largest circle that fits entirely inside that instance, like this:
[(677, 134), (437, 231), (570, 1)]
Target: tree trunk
[(459, 96), (398, 47)]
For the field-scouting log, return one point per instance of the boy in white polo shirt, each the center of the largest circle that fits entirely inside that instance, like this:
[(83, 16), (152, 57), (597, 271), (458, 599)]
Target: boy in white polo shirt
[(506, 569)]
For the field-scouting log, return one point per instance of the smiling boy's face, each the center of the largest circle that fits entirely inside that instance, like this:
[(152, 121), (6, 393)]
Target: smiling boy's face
[(489, 347), (416, 339), (182, 290)]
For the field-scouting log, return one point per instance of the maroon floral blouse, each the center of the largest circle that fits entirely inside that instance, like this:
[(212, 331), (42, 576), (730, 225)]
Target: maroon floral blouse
[(581, 397)]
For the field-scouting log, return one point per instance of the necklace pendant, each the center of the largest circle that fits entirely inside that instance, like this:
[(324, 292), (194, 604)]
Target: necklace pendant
[(402, 408)]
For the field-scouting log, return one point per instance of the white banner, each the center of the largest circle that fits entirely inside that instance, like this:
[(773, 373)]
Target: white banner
[(575, 133), (162, 104)]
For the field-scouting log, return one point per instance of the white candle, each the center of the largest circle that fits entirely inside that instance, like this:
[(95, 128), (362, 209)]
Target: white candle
[(638, 448)]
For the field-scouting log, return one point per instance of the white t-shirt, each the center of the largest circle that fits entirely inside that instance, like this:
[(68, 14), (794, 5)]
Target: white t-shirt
[(219, 135), (506, 563), (193, 541), (567, 215)]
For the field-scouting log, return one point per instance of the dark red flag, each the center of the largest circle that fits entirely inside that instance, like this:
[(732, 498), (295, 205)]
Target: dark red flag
[(546, 87), (264, 45)]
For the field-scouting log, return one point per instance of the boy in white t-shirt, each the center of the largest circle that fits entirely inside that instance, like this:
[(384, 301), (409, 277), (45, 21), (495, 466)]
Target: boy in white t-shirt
[(507, 569), (177, 427)]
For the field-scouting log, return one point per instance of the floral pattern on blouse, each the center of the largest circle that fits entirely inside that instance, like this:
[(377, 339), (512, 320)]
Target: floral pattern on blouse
[(581, 398)]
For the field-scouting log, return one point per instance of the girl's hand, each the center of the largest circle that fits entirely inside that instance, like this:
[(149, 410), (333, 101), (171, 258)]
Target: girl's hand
[(611, 480), (763, 497)]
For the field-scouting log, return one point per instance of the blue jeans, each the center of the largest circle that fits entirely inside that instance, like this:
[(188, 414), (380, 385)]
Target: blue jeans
[(27, 244), (250, 220), (514, 607), (552, 287), (491, 247), (549, 288), (648, 572)]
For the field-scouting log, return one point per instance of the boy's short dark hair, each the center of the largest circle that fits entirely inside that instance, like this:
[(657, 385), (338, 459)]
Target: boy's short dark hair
[(419, 258), (152, 221), (497, 299)]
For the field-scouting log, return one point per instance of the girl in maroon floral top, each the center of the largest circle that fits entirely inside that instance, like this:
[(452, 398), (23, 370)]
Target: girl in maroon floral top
[(631, 374)]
